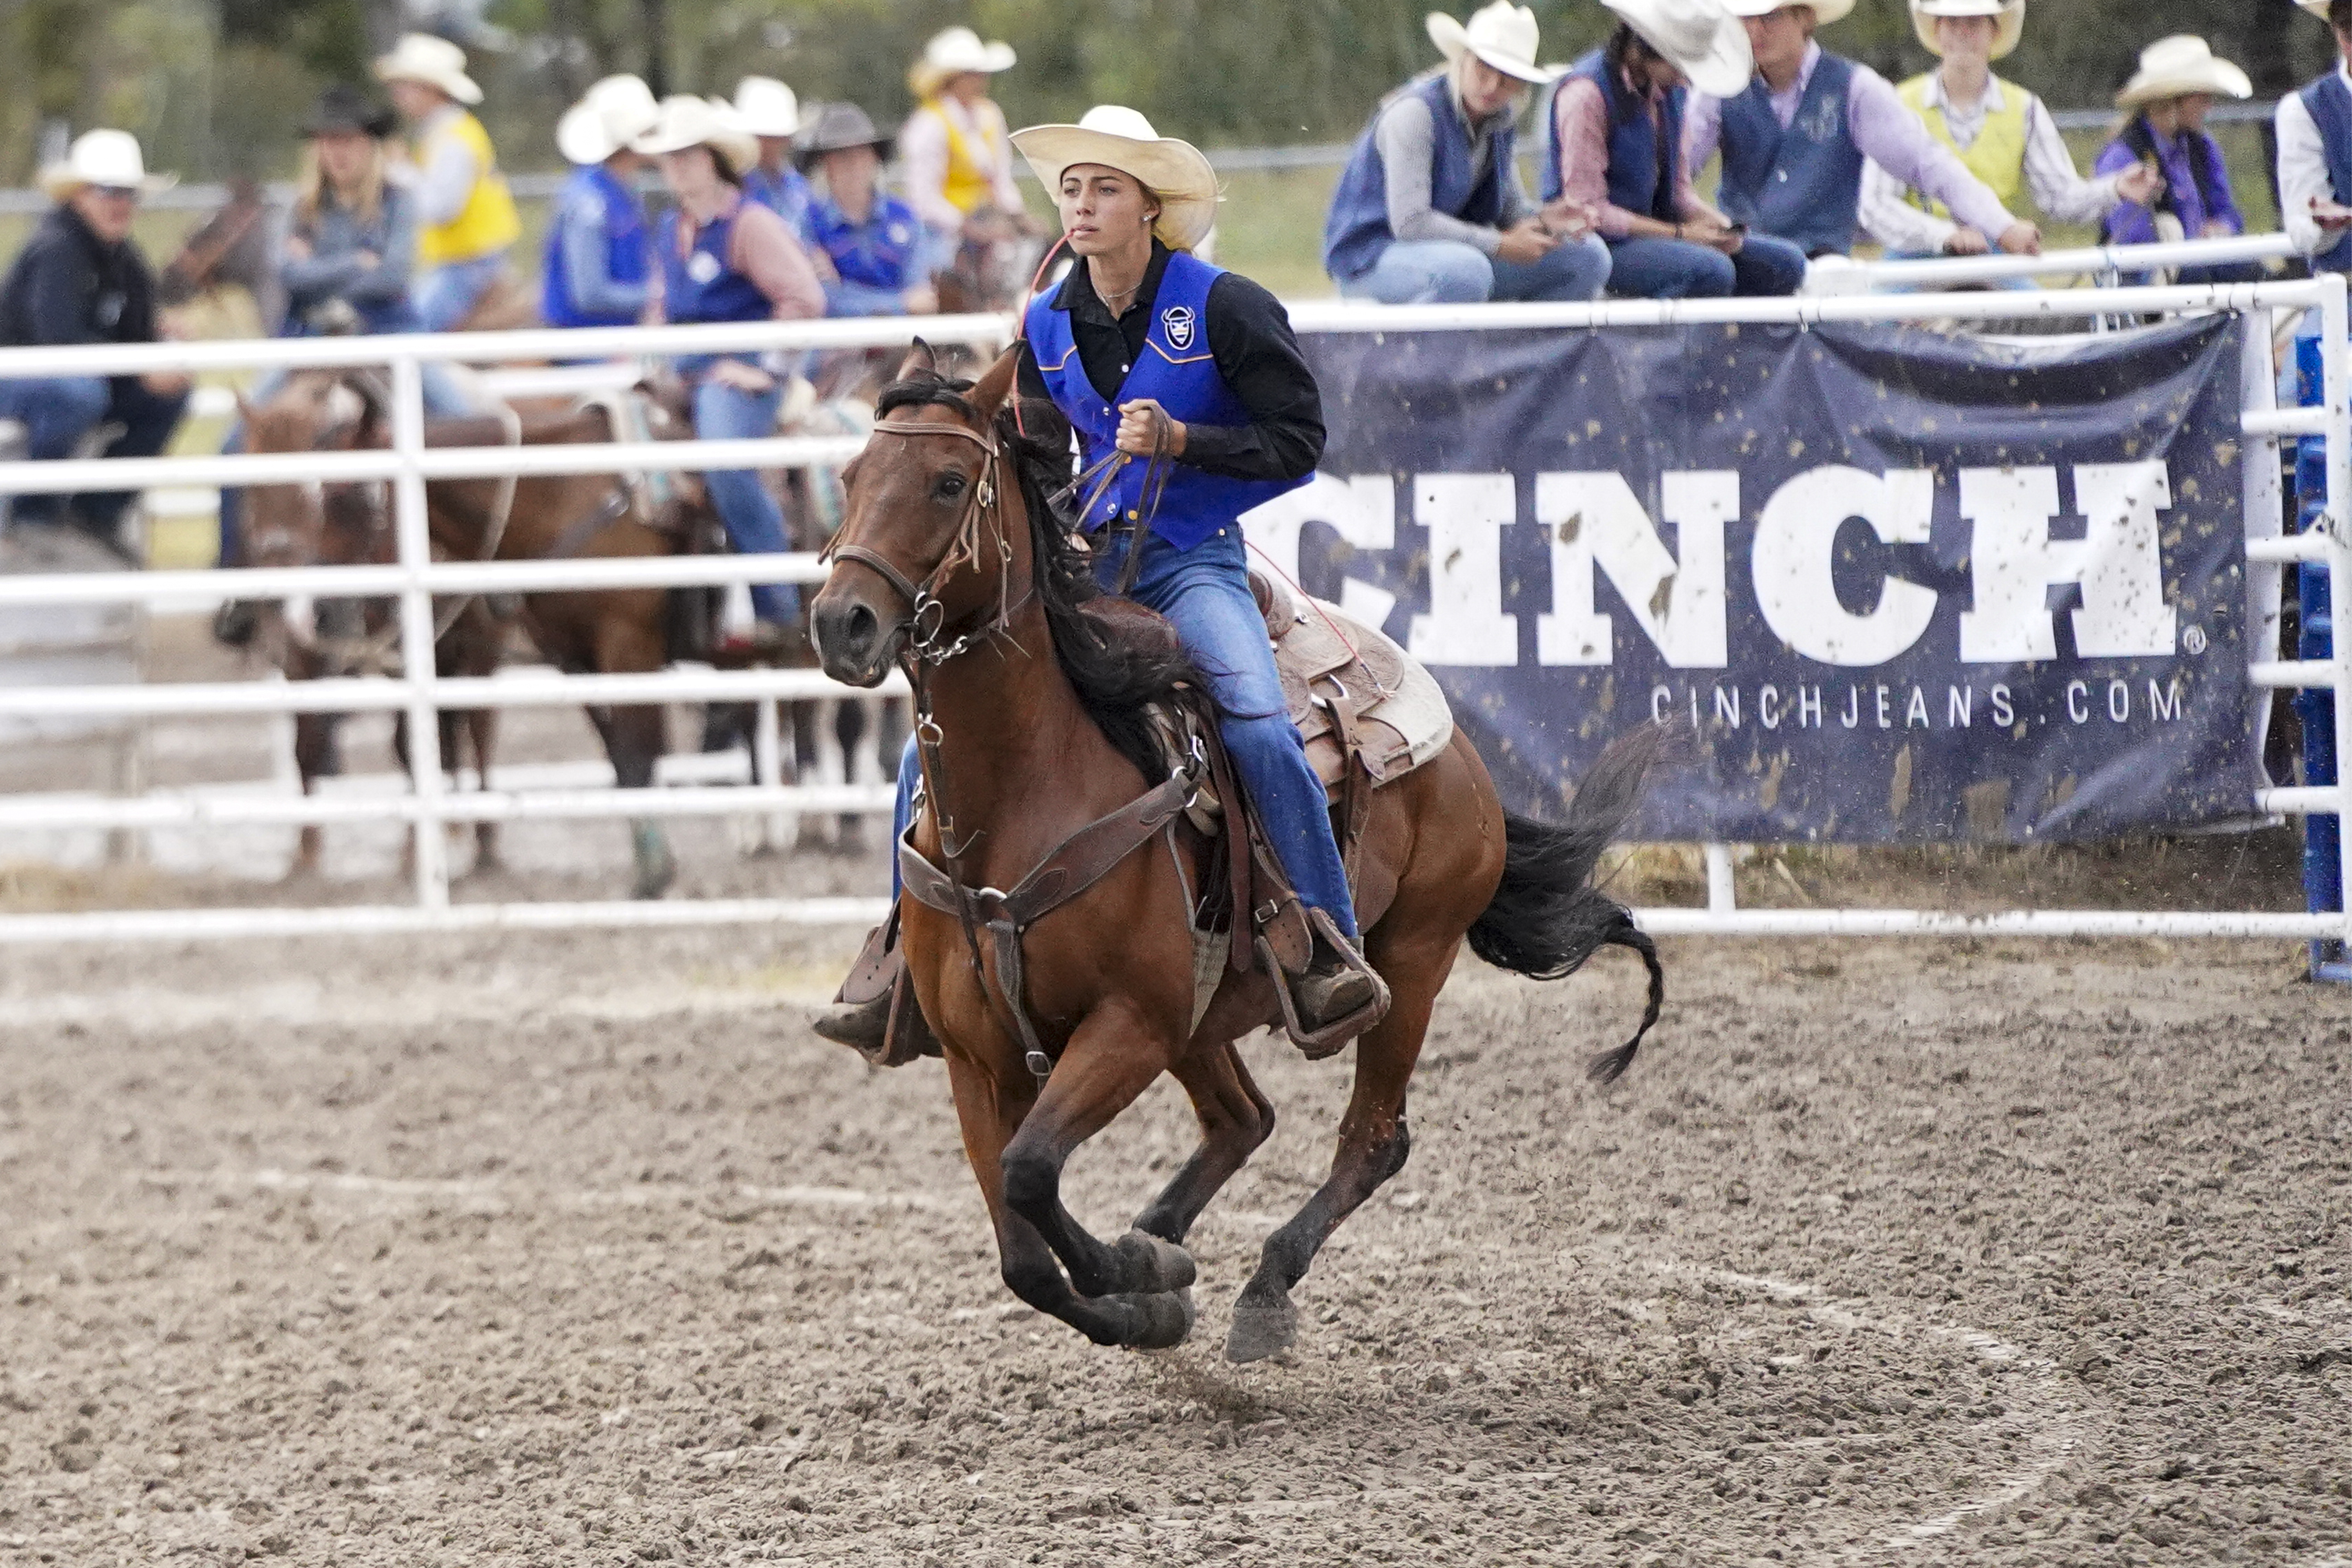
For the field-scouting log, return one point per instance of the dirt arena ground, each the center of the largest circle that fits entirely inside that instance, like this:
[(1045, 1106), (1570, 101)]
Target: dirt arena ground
[(581, 1250)]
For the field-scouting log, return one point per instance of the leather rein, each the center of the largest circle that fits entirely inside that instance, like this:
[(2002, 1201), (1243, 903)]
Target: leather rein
[(1082, 859)]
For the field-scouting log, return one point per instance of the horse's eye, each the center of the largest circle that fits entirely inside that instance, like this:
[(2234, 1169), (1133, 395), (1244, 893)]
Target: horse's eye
[(952, 486)]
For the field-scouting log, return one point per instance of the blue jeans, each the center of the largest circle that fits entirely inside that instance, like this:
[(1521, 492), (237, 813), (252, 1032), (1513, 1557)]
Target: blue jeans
[(1678, 269), (755, 525), (1448, 272), (1204, 590), (444, 294), (843, 298), (58, 411)]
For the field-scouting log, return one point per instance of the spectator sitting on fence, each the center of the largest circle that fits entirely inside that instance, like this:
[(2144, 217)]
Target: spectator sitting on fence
[(2167, 102), (874, 240), (598, 266), (1430, 207), (81, 278), (1794, 142), (958, 152), (469, 218), (1610, 132), (772, 112), (724, 259), (2003, 133)]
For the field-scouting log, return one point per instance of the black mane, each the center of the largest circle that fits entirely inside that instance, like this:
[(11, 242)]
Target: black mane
[(1118, 657)]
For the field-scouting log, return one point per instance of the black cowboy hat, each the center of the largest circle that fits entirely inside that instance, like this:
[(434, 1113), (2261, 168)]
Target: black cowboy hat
[(343, 108), (836, 127)]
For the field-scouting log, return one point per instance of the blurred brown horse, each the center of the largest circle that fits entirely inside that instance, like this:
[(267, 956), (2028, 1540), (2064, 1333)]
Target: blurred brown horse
[(952, 561)]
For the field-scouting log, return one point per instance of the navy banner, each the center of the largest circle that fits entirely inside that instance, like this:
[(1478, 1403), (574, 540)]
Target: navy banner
[(1903, 586)]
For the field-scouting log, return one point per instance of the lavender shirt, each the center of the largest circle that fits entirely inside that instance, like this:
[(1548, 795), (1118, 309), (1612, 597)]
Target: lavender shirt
[(2130, 225), (1887, 130)]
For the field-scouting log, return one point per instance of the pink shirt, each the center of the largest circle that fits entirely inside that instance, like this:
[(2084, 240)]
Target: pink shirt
[(1581, 127)]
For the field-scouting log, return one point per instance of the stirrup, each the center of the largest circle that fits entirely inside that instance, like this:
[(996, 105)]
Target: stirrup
[(1325, 1039), (876, 1014)]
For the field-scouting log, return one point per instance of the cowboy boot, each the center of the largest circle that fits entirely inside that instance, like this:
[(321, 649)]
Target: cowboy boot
[(1337, 983), (861, 1016)]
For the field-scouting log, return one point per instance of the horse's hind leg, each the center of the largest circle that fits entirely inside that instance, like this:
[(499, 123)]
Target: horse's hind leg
[(1234, 1116), (482, 728), (1373, 1143)]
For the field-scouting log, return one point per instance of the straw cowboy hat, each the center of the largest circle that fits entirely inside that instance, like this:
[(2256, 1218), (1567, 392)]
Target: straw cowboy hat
[(685, 120), (2009, 21), (609, 116), (2180, 65), (957, 52), (436, 62), (1698, 37), (767, 107), (839, 127), (1824, 11), (108, 158), (1502, 35), (1174, 172)]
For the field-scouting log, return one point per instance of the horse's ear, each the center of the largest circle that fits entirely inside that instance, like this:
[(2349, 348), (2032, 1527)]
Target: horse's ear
[(374, 426), (919, 360), (988, 394), (245, 410)]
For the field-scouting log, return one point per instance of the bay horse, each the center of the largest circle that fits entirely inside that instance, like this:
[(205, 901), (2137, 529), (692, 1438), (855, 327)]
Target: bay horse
[(952, 561), (537, 517)]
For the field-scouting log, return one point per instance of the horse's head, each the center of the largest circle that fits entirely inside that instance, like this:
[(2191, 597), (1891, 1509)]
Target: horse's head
[(312, 523), (931, 513)]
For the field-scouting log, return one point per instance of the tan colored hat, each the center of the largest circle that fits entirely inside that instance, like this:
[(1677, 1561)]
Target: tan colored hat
[(1502, 35), (2178, 65), (953, 53), (685, 120), (2316, 7), (436, 62), (1698, 38), (1824, 11), (2009, 17), (609, 116), (1177, 173), (107, 158)]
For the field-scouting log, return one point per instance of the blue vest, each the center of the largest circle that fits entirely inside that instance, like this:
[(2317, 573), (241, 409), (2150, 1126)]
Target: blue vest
[(699, 286), (627, 259), (1358, 229), (1640, 181), (1175, 368), (1803, 185), (878, 253), (786, 194), (2330, 103)]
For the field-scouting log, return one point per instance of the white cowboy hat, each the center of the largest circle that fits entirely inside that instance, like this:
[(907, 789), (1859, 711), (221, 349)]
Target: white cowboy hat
[(1824, 11), (957, 52), (1502, 35), (1175, 172), (2009, 21), (436, 62), (613, 113), (106, 158), (1698, 37), (2180, 65), (685, 120), (2316, 7), (767, 107)]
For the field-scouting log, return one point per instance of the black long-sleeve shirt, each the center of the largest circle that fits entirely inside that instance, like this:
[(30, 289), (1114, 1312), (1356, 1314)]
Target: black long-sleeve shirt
[(1254, 349), (68, 286)]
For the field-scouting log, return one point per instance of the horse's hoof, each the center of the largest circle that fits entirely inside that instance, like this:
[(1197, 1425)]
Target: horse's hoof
[(657, 866), (1164, 1320), (1156, 1266), (1261, 1329)]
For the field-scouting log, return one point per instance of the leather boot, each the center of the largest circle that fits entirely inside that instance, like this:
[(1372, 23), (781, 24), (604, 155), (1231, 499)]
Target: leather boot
[(861, 1016), (1337, 985)]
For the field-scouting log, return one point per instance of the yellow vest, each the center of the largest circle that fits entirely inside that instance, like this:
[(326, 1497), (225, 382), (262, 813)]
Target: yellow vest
[(1998, 157), (971, 170), (486, 223)]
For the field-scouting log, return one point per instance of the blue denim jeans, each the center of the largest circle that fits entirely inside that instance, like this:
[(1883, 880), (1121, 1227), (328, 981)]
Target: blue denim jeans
[(443, 295), (58, 411), (1448, 272), (1204, 590), (755, 525), (1678, 269), (843, 298)]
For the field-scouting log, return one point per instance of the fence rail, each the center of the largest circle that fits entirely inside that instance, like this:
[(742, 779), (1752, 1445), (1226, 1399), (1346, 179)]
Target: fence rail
[(414, 579)]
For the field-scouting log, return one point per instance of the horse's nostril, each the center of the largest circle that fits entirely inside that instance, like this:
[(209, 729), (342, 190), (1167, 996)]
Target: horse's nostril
[(861, 630)]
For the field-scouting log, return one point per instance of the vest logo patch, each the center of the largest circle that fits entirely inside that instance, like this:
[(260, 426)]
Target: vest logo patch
[(1176, 321), (702, 267)]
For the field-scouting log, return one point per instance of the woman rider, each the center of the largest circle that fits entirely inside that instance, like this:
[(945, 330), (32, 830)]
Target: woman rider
[(725, 258), (1145, 348)]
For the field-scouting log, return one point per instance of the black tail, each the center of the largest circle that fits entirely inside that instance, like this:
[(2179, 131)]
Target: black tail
[(1546, 918)]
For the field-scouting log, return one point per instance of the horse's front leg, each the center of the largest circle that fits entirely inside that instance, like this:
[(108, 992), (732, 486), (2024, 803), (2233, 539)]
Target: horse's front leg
[(1111, 1059), (990, 1114), (1235, 1117)]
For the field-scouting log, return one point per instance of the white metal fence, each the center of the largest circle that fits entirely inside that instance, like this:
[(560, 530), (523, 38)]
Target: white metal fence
[(414, 578)]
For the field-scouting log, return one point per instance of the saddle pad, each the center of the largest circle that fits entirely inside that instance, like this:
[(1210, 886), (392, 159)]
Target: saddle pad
[(1404, 717)]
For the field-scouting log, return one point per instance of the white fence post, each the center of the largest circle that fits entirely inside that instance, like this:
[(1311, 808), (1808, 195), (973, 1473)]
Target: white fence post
[(1722, 898), (2336, 387), (413, 531)]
